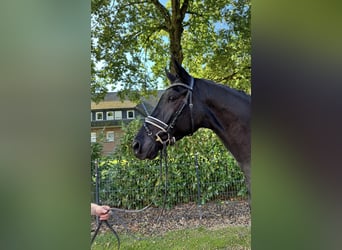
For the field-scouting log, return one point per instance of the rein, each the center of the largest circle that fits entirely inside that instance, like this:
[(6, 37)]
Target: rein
[(163, 155), (110, 227), (164, 129)]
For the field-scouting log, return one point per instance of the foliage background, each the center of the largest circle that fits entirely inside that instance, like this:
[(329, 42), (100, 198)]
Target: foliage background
[(132, 43)]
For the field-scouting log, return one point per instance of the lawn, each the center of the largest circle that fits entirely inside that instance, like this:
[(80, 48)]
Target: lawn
[(230, 237)]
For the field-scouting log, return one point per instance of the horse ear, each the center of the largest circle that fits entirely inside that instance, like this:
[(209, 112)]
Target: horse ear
[(171, 77), (181, 72)]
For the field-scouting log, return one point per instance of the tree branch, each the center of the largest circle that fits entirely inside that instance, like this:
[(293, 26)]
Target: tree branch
[(133, 3), (184, 8), (194, 13), (155, 29), (163, 11), (227, 78), (123, 6)]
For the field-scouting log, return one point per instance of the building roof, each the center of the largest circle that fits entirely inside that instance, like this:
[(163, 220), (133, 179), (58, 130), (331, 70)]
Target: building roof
[(112, 105), (112, 101)]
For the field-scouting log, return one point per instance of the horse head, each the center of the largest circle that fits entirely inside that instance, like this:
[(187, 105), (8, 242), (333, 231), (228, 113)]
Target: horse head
[(171, 119)]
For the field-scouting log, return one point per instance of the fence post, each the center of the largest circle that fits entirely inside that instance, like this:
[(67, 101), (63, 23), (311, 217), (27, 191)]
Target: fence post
[(198, 188), (97, 191)]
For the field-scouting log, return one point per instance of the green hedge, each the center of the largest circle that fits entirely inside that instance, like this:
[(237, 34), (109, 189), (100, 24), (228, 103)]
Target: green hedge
[(132, 183)]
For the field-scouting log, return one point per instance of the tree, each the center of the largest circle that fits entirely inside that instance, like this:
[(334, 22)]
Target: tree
[(133, 40)]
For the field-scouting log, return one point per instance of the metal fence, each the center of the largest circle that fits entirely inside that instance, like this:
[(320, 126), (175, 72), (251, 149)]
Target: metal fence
[(120, 186)]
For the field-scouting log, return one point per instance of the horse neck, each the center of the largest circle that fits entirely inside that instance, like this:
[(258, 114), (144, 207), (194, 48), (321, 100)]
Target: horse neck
[(226, 112)]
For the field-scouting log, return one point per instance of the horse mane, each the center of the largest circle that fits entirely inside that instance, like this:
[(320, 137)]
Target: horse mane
[(236, 92)]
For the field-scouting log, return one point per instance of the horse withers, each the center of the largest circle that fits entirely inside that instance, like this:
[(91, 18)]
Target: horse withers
[(191, 103)]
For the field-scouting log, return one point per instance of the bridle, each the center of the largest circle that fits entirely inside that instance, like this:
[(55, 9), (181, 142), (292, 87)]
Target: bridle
[(165, 129)]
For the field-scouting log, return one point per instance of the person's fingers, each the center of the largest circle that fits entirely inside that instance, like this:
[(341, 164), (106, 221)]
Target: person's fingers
[(107, 210), (104, 217), (102, 210)]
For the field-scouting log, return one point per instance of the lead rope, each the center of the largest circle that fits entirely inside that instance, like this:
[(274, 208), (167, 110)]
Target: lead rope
[(165, 128), (163, 152), (163, 155), (110, 227)]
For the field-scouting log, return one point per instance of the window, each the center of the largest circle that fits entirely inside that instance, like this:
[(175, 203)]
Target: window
[(93, 136), (130, 114), (118, 115), (110, 115), (99, 116), (91, 116), (110, 136)]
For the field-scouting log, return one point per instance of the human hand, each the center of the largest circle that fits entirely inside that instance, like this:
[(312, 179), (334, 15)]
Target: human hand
[(102, 211)]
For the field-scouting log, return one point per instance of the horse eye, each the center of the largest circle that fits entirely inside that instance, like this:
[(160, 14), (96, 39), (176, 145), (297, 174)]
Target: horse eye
[(171, 98)]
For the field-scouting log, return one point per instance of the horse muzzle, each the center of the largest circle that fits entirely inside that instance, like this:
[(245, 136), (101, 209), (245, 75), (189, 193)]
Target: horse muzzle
[(142, 152)]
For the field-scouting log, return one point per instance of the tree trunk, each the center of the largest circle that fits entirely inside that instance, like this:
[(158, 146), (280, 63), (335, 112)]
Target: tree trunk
[(175, 34)]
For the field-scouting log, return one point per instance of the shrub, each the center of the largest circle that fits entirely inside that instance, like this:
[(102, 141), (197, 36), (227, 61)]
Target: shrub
[(129, 182)]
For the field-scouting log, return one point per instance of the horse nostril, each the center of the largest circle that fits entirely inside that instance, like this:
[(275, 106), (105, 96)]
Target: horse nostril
[(136, 146)]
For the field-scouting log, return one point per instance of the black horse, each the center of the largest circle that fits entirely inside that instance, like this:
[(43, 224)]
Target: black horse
[(189, 104)]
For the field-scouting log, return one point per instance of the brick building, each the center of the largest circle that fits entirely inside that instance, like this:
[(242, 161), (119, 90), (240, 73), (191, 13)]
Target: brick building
[(108, 116)]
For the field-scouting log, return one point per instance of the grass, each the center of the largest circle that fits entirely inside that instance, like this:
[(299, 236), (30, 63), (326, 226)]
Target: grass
[(232, 237)]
